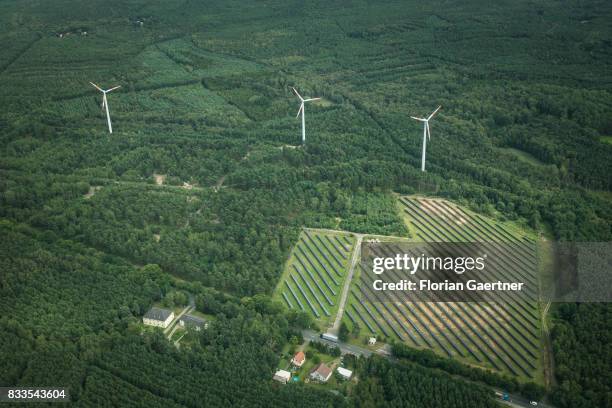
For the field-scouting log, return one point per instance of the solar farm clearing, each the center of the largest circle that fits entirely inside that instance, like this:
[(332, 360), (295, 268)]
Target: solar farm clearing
[(315, 273), (503, 336)]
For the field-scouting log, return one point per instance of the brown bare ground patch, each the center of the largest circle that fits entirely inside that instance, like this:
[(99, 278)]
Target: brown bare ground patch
[(92, 191), (453, 312), (450, 209), (444, 212), (428, 208), (288, 147), (414, 321), (159, 179)]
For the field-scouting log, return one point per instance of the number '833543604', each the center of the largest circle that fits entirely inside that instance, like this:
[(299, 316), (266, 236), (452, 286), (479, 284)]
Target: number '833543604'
[(34, 394)]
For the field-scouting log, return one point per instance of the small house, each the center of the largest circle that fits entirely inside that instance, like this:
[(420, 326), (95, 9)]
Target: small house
[(282, 376), (192, 322), (321, 373), (372, 341), (346, 374), (298, 359), (158, 317)]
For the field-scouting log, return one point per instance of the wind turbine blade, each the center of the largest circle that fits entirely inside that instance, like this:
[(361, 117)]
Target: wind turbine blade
[(297, 93), (300, 110), (112, 89), (434, 112), (311, 99), (428, 131), (108, 119), (96, 86), (419, 119)]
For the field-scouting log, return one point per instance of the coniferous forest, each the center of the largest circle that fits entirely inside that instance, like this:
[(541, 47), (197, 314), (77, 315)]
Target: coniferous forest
[(203, 187)]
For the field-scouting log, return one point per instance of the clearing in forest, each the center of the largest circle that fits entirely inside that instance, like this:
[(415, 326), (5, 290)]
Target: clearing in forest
[(315, 273), (502, 336)]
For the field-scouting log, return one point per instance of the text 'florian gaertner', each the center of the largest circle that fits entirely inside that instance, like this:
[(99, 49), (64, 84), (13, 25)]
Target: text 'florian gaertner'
[(428, 285)]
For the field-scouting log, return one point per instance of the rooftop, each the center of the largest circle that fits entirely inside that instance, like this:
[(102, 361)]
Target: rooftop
[(323, 370), (346, 373), (156, 313), (190, 320), (299, 357), (282, 375)]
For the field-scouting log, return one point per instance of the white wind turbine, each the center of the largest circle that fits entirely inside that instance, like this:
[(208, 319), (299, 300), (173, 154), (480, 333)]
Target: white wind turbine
[(426, 134), (301, 110), (105, 103)]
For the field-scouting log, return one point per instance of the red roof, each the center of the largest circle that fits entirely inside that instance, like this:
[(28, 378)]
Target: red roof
[(323, 370), (299, 357)]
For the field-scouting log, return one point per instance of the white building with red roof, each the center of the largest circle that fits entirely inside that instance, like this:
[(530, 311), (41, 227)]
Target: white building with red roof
[(298, 359)]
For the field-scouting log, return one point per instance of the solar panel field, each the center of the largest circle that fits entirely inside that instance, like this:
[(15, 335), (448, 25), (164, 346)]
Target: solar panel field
[(315, 272), (503, 336)]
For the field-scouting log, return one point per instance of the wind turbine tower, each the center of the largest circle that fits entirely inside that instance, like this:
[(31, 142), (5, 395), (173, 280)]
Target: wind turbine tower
[(105, 103), (426, 134), (301, 110)]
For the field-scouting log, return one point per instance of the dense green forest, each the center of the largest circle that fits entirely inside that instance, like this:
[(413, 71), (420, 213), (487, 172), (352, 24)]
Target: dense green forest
[(203, 184), (98, 348), (410, 385), (583, 355)]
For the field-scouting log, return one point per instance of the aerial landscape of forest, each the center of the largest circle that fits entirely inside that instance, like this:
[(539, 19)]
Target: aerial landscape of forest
[(208, 206)]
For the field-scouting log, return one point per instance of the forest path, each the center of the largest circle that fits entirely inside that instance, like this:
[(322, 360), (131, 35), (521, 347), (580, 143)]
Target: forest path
[(335, 328), (174, 325), (19, 54), (347, 284), (221, 180), (549, 362), (219, 184)]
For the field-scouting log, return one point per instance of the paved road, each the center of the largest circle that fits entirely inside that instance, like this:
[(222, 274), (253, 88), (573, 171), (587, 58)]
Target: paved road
[(173, 325), (335, 328), (520, 402), (515, 401), (347, 284), (346, 348)]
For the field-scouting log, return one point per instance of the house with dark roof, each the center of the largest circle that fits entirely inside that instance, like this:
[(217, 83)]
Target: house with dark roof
[(192, 322), (158, 317), (321, 373)]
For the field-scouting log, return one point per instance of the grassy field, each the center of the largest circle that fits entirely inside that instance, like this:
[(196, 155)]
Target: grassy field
[(500, 336), (314, 274), (521, 155)]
